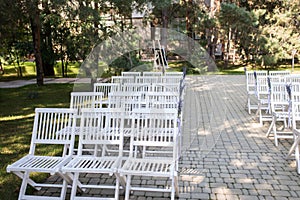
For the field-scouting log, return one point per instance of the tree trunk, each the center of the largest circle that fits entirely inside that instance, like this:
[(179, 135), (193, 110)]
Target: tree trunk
[(48, 55), (62, 66), (36, 35), (189, 18), (165, 22), (227, 48)]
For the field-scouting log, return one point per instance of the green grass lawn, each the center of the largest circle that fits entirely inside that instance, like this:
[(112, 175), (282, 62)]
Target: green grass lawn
[(29, 71), (16, 121)]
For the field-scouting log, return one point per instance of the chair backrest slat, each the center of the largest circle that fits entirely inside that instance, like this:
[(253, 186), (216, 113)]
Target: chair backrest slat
[(53, 126), (251, 79), (162, 100), (106, 88), (152, 73), (80, 100), (155, 129), (279, 73), (101, 127)]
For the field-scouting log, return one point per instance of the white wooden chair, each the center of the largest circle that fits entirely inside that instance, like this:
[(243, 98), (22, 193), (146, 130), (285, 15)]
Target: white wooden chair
[(279, 73), (152, 73), (106, 88), (162, 100), (134, 74), (154, 131), (148, 79), (98, 127), (251, 86), (280, 109), (171, 79), (292, 78), (122, 79), (80, 100), (166, 87), (174, 74), (295, 150), (263, 95), (51, 128), (126, 101), (136, 87)]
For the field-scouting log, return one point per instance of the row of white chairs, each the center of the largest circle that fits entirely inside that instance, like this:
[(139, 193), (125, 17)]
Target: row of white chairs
[(148, 73), (151, 129), (107, 88), (278, 97), (251, 84), (145, 79), (149, 119)]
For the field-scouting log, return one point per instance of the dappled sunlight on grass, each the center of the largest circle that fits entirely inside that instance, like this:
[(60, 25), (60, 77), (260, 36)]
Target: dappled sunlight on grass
[(15, 117), (16, 123)]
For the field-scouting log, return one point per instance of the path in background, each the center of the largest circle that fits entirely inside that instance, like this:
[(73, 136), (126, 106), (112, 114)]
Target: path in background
[(21, 83)]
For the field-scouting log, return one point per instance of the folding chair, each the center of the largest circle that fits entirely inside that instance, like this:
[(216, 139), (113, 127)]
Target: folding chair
[(162, 100), (134, 74), (106, 88), (136, 87), (281, 111), (279, 73), (251, 86), (125, 100), (171, 79), (80, 100), (295, 150), (152, 73), (174, 74), (292, 78), (99, 127), (156, 132), (166, 87), (263, 96), (122, 79), (51, 128), (149, 79)]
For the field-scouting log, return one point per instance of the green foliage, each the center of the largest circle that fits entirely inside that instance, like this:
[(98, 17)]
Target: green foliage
[(125, 62), (71, 29)]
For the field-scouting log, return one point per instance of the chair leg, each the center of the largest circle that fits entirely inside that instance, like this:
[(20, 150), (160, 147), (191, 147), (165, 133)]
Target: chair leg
[(248, 104), (24, 185), (258, 110), (117, 190), (260, 117), (275, 133), (128, 187), (173, 189), (64, 190), (271, 127), (74, 186), (297, 158)]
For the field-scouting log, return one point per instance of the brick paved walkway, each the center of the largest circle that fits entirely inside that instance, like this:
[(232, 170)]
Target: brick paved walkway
[(226, 154)]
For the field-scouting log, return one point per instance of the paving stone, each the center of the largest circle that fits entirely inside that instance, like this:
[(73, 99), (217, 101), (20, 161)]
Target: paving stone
[(248, 197), (280, 193), (200, 196)]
